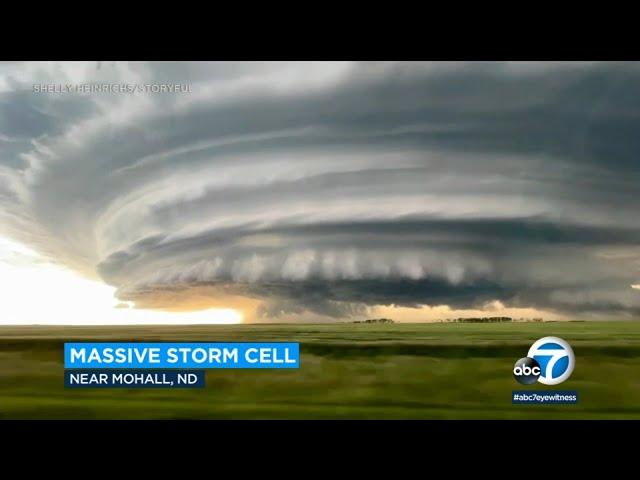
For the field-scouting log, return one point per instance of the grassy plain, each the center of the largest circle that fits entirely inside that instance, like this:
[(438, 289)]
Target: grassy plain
[(348, 371)]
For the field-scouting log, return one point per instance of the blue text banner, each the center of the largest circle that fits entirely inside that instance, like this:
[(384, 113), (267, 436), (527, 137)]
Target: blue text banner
[(181, 355)]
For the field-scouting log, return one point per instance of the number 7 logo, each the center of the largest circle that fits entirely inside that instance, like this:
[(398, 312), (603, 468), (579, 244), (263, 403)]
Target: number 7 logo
[(555, 357)]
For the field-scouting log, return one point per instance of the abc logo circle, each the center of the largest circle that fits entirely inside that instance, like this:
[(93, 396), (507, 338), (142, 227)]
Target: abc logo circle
[(556, 359), (526, 371)]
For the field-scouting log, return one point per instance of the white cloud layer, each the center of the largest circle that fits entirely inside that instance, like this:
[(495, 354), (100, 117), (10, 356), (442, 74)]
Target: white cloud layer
[(311, 185)]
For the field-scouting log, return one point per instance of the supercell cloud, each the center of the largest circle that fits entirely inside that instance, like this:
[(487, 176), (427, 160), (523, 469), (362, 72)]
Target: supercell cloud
[(328, 188)]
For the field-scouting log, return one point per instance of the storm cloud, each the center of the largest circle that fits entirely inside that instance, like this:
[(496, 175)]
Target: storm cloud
[(332, 187)]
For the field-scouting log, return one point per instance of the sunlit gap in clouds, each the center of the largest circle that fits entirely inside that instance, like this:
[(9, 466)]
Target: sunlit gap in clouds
[(35, 291)]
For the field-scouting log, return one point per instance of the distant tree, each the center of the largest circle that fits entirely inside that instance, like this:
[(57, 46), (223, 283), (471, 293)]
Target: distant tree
[(375, 320), (483, 319)]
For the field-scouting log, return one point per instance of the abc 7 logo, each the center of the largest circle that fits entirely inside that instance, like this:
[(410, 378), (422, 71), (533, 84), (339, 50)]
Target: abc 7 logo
[(550, 361), (526, 371)]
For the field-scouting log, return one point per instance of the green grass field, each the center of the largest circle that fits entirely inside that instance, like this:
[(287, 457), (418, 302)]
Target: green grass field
[(348, 371)]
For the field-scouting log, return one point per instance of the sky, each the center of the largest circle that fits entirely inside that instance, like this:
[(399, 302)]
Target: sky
[(319, 191)]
